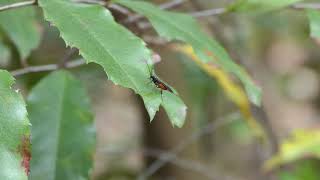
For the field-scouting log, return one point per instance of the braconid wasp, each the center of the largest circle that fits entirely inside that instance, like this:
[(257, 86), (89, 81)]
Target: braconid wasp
[(156, 81)]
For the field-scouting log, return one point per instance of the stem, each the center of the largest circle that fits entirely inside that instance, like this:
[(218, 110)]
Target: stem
[(306, 6), (197, 134), (48, 67), (18, 5), (209, 12), (167, 5)]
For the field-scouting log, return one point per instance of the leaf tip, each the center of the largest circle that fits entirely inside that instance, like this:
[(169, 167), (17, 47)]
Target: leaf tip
[(254, 93)]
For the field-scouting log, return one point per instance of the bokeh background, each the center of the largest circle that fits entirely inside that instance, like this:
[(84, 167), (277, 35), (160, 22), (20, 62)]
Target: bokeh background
[(215, 143)]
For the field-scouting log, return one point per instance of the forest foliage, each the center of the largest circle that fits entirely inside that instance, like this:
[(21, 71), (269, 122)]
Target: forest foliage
[(57, 111)]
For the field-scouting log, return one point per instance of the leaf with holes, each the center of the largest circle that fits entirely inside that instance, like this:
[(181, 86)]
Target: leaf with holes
[(63, 133), (14, 132), (124, 57)]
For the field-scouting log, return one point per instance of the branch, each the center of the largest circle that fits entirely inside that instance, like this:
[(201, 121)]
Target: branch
[(162, 160), (171, 4), (64, 60), (209, 12), (218, 11), (167, 5), (18, 5), (119, 9), (102, 3), (198, 14), (191, 165), (306, 6), (188, 164), (48, 67), (156, 40)]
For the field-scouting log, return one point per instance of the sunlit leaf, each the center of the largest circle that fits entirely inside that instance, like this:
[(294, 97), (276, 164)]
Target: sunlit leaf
[(124, 57), (63, 133), (14, 132), (231, 89), (183, 27), (303, 170), (303, 143), (20, 26)]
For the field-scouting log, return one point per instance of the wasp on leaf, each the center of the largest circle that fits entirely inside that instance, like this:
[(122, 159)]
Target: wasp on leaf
[(157, 82)]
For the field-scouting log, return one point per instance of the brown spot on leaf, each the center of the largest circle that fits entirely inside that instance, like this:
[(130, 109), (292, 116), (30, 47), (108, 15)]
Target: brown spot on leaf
[(24, 150)]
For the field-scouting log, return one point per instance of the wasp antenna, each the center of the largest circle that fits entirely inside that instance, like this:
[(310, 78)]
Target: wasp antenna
[(149, 68)]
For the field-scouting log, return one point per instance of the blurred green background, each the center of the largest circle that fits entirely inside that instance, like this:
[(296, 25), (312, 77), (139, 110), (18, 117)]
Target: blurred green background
[(215, 143)]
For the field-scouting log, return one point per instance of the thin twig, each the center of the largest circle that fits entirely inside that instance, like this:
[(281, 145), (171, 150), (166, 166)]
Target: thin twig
[(48, 67), (167, 5), (119, 9), (116, 7), (18, 5), (102, 3), (171, 4), (209, 12), (192, 165), (212, 12), (306, 6), (188, 164), (23, 62), (64, 60), (198, 14), (156, 40), (159, 163)]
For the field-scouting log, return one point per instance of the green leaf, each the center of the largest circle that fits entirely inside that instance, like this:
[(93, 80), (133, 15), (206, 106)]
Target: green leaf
[(257, 6), (175, 108), (14, 132), (124, 57), (63, 133), (20, 26), (302, 170), (314, 18), (303, 143), (5, 54), (183, 27)]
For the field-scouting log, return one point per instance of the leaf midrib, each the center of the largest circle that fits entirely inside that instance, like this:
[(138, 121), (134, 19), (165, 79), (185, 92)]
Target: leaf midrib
[(60, 117), (135, 86)]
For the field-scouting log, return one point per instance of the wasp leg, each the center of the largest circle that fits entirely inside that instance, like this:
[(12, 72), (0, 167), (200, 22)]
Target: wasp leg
[(161, 94)]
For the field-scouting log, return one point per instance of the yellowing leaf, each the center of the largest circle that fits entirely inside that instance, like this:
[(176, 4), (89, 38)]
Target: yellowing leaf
[(183, 27), (231, 89), (302, 144)]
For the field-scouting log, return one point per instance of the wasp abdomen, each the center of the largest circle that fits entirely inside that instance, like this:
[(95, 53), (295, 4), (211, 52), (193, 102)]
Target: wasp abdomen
[(160, 84)]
